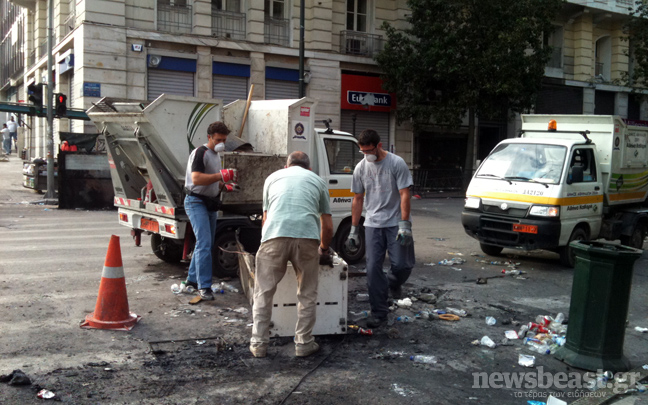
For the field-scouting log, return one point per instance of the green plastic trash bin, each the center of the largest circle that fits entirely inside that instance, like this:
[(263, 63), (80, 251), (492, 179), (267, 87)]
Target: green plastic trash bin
[(599, 306)]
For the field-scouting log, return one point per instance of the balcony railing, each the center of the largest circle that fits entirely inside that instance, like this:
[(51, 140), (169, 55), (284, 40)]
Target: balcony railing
[(360, 43), (555, 60), (69, 24), (228, 24), (277, 31), (174, 18), (598, 69)]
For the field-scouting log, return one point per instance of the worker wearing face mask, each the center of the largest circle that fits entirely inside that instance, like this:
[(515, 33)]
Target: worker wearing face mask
[(381, 183), (204, 181)]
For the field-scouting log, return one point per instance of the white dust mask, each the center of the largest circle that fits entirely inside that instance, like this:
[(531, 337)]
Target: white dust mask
[(371, 158), (219, 147)]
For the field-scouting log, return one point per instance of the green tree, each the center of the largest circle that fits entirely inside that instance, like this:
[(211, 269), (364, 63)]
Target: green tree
[(637, 35), (473, 57)]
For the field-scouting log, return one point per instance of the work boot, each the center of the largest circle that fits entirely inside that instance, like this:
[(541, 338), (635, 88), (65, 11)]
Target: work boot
[(206, 294), (306, 349), (259, 350), (375, 323), (396, 292)]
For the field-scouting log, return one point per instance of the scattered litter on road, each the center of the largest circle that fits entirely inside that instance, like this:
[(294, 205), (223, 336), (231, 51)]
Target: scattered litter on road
[(455, 253), (511, 334), (201, 342), (405, 392), (45, 394), (455, 268), (361, 331), (362, 297), (526, 361), (640, 329), (241, 310), (404, 319), (645, 366), (17, 377), (438, 239), (429, 264), (455, 311), (490, 321), (428, 297), (388, 355), (426, 359), (488, 342), (404, 303), (475, 254), (449, 317), (452, 262)]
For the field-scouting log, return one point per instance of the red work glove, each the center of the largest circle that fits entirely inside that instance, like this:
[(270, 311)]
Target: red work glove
[(231, 187), (229, 175)]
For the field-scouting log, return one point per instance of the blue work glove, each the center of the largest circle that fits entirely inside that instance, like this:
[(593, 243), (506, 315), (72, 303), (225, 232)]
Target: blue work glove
[(405, 233), (353, 241)]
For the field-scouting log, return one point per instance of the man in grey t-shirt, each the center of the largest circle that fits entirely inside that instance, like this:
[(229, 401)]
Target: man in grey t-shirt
[(381, 183)]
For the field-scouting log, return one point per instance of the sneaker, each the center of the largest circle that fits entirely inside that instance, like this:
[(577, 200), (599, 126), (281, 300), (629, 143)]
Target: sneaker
[(259, 350), (206, 294), (188, 283), (396, 292), (374, 323), (303, 350)]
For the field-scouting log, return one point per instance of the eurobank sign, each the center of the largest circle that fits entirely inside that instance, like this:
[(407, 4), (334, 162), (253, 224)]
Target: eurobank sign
[(365, 93)]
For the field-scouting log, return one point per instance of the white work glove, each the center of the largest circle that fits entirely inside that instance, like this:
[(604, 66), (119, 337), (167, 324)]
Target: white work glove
[(231, 188), (353, 241), (405, 233), (229, 175)]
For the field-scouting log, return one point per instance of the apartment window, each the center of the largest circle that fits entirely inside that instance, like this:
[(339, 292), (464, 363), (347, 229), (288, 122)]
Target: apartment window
[(227, 5), (602, 69), (227, 20), (277, 27), (555, 41), (174, 16), (274, 8), (357, 15)]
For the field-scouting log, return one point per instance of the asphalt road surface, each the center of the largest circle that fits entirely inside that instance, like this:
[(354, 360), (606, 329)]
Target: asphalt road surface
[(51, 262)]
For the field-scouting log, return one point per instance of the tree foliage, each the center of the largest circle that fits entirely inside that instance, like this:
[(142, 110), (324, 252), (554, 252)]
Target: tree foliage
[(637, 34), (461, 55)]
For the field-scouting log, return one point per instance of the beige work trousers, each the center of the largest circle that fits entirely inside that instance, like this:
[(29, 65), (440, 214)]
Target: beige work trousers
[(271, 261)]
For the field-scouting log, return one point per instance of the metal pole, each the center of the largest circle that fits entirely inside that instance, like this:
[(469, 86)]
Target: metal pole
[(50, 95), (302, 91)]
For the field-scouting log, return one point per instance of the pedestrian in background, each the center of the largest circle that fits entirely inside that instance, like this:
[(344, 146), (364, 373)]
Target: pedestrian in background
[(13, 131), (204, 180), (381, 183), (6, 139), (297, 225)]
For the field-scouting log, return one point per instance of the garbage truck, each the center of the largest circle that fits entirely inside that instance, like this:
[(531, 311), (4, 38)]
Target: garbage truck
[(565, 178), (148, 146)]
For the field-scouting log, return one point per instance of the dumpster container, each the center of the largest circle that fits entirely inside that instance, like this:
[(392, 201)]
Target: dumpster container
[(599, 306)]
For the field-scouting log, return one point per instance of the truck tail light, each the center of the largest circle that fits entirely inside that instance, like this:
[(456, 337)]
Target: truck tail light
[(123, 217), (170, 229)]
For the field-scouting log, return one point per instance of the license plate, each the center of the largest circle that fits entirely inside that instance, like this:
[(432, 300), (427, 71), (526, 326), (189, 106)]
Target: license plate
[(150, 225), (525, 228)]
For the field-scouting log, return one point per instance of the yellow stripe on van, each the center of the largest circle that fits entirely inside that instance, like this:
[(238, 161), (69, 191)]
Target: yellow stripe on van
[(626, 196), (590, 199), (340, 192)]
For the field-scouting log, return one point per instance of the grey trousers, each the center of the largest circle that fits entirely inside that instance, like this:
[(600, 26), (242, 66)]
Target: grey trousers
[(379, 241)]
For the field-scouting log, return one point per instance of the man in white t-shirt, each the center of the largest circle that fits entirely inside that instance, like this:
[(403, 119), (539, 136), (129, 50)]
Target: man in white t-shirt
[(381, 183), (13, 132)]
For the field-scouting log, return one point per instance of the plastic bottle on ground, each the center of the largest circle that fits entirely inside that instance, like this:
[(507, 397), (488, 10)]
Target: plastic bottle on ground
[(490, 321), (229, 287), (560, 318), (486, 341), (537, 346), (523, 331), (359, 315), (189, 289), (362, 297), (455, 311), (419, 358), (404, 319)]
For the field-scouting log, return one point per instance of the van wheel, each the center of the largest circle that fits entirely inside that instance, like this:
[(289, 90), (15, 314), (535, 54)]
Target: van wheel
[(491, 250), (348, 256), (567, 255), (166, 249), (225, 264), (636, 239)]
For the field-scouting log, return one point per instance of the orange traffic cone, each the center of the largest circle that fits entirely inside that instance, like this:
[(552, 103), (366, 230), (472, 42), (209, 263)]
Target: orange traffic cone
[(111, 311)]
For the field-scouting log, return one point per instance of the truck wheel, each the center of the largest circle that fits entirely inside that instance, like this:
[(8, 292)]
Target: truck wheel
[(636, 240), (166, 249), (491, 250), (225, 264), (348, 256), (567, 255)]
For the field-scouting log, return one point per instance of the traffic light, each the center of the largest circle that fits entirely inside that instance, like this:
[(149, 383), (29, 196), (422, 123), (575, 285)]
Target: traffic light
[(35, 92), (60, 104)]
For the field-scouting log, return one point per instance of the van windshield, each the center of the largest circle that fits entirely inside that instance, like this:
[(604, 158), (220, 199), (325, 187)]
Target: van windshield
[(525, 162)]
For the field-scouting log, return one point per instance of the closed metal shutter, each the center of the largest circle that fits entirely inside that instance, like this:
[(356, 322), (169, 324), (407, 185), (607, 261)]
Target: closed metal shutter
[(604, 102), (169, 82), (230, 88), (554, 99), (378, 121), (281, 89)]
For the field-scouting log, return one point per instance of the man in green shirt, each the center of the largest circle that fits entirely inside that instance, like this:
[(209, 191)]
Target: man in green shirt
[(296, 220)]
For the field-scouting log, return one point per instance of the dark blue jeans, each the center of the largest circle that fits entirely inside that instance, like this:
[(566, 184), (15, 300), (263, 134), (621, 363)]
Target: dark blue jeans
[(379, 241), (203, 223)]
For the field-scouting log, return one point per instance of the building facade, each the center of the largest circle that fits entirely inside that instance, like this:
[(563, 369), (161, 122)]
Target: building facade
[(138, 49)]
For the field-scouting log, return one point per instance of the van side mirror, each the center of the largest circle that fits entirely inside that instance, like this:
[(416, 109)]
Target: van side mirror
[(576, 175)]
